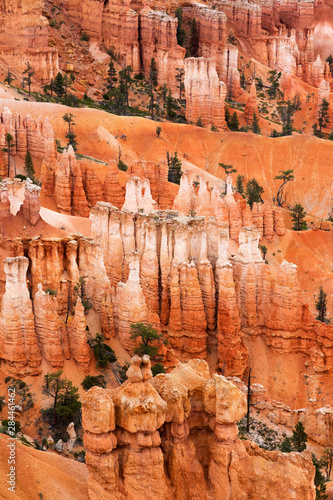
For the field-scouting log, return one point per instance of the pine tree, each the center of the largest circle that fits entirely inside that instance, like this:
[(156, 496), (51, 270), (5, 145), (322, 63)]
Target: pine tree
[(112, 79), (59, 85), (170, 106), (125, 83), (298, 215), (29, 166), (8, 149), (229, 169), (286, 445), (240, 185), (175, 168), (29, 72), (299, 437), (66, 400), (180, 81), (255, 124), (193, 48), (234, 122), (286, 176), (321, 305), (70, 135), (153, 72), (227, 116), (263, 248), (9, 78), (253, 192), (323, 118), (319, 480), (181, 35)]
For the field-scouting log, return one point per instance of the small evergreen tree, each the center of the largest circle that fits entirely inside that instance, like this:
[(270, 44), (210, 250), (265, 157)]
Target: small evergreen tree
[(153, 72), (298, 215), (286, 176), (112, 79), (170, 106), (180, 81), (29, 166), (125, 82), (323, 118), (227, 116), (181, 34), (66, 403), (255, 124), (199, 122), (59, 85), (286, 445), (9, 78), (29, 72), (240, 185), (8, 149), (321, 305), (193, 48), (80, 291), (273, 79), (264, 251), (90, 381), (327, 462), (253, 192), (158, 131), (299, 437), (70, 135), (175, 168), (234, 122), (152, 84), (150, 341), (319, 480), (229, 169), (50, 87), (102, 352)]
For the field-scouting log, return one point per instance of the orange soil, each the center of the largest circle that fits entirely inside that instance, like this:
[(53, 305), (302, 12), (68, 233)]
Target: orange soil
[(41, 475)]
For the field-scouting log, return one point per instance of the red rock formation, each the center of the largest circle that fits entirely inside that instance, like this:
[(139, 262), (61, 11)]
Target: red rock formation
[(138, 196), (158, 39), (120, 30), (77, 334), (37, 137), (31, 202), (204, 93), (18, 342), (24, 37), (156, 438), (92, 186), (50, 329), (251, 106), (229, 210), (113, 192), (131, 307), (68, 190)]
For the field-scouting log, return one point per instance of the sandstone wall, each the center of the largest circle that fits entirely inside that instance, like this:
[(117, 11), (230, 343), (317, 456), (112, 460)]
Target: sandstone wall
[(204, 93), (24, 37)]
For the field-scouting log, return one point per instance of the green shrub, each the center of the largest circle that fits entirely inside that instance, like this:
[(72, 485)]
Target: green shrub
[(91, 381), (85, 37)]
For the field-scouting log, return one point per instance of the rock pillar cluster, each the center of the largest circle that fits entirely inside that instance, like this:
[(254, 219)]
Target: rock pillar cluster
[(134, 433)]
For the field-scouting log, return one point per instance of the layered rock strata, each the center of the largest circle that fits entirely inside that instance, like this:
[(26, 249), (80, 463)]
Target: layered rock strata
[(204, 92), (19, 349), (147, 426), (24, 37)]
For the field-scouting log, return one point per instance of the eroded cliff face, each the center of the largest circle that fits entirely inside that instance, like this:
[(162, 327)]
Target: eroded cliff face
[(24, 37), (177, 273), (35, 324), (204, 93), (183, 423)]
